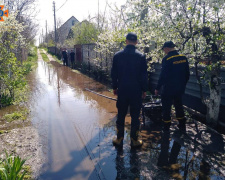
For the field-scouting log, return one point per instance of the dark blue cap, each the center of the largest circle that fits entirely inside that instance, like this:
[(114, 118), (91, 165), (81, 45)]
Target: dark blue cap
[(168, 44), (131, 36)]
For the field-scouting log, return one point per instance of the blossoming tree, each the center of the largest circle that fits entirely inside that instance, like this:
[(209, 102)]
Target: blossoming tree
[(198, 28), (10, 67)]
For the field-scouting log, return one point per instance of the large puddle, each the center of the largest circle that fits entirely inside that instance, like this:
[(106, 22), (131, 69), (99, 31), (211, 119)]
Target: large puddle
[(76, 128)]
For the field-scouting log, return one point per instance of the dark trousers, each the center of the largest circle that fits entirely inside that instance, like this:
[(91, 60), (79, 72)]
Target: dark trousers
[(166, 158), (167, 101), (72, 64), (123, 103), (65, 61)]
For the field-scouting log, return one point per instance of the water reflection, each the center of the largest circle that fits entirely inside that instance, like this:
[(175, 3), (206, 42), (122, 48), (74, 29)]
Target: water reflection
[(167, 160), (127, 167), (204, 170), (75, 125), (182, 162)]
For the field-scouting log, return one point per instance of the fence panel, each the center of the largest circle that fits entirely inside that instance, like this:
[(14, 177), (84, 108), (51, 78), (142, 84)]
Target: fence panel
[(192, 92)]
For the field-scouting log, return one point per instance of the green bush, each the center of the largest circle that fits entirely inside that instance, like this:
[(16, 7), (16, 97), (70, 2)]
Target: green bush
[(27, 68), (32, 51), (12, 71), (6, 100)]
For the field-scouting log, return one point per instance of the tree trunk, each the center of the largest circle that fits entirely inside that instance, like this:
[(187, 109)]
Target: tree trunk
[(213, 101)]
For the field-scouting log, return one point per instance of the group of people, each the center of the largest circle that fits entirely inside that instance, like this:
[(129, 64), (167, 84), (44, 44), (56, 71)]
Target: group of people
[(65, 58), (129, 83)]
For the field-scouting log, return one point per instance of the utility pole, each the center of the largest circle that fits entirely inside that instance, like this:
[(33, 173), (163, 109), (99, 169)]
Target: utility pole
[(46, 36), (42, 36), (55, 25)]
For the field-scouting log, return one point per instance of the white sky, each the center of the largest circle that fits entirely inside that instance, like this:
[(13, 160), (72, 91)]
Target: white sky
[(80, 9)]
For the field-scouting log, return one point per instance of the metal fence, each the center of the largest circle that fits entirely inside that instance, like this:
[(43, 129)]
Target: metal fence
[(52, 50), (192, 97), (96, 61)]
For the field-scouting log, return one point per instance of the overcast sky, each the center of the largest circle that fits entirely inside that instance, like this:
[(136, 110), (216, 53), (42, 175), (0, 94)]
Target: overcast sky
[(80, 9)]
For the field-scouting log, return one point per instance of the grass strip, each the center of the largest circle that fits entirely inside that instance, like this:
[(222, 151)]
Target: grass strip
[(44, 57)]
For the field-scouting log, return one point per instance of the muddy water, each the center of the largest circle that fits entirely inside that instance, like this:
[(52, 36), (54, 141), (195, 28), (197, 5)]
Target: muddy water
[(71, 122), (77, 126)]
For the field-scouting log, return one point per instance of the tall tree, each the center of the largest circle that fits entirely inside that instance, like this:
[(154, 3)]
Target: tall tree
[(10, 69), (26, 12), (83, 33)]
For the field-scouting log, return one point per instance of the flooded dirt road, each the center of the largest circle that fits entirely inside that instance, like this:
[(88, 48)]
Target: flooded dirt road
[(71, 123), (76, 128)]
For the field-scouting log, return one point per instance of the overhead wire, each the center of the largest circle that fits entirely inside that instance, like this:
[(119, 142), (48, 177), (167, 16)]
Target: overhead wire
[(62, 5)]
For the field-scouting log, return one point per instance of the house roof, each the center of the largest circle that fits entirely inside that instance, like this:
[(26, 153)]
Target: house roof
[(68, 20), (65, 28)]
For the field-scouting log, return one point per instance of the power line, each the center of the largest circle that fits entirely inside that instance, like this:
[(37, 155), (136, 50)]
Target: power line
[(62, 5)]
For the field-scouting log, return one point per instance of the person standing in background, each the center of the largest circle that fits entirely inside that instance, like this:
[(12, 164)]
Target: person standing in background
[(72, 59), (65, 57)]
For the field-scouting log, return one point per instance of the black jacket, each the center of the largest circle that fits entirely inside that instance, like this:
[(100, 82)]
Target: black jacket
[(72, 55), (174, 74), (129, 71), (64, 54)]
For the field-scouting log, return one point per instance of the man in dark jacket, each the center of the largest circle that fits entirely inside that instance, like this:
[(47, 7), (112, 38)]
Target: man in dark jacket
[(173, 79), (65, 57), (129, 80), (72, 59)]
